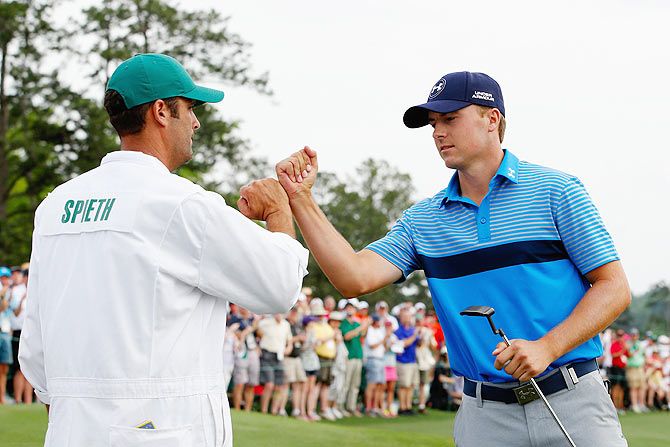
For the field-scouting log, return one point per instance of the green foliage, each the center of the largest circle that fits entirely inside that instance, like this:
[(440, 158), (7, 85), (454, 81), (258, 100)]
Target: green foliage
[(362, 208), (649, 311), (51, 131)]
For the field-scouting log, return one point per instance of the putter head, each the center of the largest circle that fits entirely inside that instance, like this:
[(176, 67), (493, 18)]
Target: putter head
[(483, 311), (478, 311)]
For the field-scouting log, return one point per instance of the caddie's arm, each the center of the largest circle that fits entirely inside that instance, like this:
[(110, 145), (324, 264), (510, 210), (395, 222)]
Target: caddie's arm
[(227, 255), (352, 273), (31, 348)]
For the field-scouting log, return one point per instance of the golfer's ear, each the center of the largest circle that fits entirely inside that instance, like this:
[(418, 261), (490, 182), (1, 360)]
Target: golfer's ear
[(493, 116)]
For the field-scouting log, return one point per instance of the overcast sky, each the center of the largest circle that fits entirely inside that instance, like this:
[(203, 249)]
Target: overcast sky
[(585, 87)]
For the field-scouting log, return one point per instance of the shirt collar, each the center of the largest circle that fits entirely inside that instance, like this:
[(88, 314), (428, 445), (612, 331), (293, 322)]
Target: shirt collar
[(509, 169), (135, 157)]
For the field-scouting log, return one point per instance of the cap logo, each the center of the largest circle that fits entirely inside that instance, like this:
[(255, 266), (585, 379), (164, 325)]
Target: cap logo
[(437, 88), (483, 95)]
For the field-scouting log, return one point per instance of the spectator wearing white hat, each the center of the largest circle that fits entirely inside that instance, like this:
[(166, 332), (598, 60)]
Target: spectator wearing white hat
[(329, 303), (310, 363), (635, 372), (275, 334), (326, 349), (294, 372), (363, 311), (425, 357), (338, 372), (375, 344), (382, 309)]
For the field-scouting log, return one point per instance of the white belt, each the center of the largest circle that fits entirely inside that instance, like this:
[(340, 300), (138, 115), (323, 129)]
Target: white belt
[(149, 388)]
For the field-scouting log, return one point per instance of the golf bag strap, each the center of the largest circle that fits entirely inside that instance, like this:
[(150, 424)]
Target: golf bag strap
[(549, 384)]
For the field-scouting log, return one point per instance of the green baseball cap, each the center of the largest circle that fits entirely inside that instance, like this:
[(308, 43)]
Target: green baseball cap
[(147, 77)]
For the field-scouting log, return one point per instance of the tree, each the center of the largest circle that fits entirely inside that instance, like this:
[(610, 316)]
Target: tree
[(29, 134), (362, 209), (658, 303), (51, 131), (203, 43)]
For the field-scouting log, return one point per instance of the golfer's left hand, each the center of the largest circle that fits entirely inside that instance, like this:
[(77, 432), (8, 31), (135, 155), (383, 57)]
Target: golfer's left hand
[(524, 359)]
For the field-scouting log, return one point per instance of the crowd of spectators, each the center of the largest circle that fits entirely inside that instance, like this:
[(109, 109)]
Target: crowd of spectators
[(13, 295), (638, 369), (337, 359), (328, 359)]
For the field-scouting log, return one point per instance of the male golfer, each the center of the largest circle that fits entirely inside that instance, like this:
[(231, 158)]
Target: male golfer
[(506, 233), (131, 271)]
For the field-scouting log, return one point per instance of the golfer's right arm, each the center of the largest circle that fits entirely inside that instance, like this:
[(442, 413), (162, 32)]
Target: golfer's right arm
[(352, 273)]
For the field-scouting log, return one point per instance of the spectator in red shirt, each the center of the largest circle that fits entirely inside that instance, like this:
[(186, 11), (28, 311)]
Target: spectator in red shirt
[(617, 372)]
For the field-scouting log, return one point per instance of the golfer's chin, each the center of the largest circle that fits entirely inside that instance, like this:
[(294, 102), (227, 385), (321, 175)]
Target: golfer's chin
[(449, 161)]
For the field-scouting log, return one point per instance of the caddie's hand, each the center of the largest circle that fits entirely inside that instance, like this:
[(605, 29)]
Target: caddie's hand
[(297, 173), (524, 359), (261, 198)]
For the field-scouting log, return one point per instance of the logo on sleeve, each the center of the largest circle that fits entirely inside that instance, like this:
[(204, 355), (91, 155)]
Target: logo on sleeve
[(437, 88)]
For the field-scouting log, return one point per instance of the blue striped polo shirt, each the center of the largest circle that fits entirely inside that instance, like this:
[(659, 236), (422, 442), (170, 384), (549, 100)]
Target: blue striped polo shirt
[(524, 251)]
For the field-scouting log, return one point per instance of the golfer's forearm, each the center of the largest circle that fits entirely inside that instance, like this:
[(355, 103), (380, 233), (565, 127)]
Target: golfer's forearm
[(601, 305), (332, 252)]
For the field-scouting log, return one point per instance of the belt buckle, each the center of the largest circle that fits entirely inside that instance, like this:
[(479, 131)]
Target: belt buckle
[(525, 393)]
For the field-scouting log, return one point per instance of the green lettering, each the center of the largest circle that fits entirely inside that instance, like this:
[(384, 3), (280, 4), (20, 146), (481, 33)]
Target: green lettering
[(66, 215), (100, 202), (77, 210), (83, 211), (108, 209), (89, 208)]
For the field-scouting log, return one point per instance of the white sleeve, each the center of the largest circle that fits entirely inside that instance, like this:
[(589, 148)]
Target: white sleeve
[(246, 264), (31, 351)]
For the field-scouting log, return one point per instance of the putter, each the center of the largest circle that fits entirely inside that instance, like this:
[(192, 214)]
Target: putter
[(486, 311)]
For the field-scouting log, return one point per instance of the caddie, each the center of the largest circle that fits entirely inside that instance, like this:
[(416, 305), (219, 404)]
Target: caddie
[(132, 269), (519, 237)]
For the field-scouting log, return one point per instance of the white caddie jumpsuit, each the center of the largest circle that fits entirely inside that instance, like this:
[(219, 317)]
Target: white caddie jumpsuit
[(131, 271)]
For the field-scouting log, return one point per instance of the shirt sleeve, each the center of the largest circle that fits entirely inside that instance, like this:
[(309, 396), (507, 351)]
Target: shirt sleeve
[(31, 347), (244, 263), (397, 247), (582, 230)]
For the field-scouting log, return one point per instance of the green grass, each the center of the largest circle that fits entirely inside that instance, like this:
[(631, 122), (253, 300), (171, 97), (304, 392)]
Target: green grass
[(22, 426)]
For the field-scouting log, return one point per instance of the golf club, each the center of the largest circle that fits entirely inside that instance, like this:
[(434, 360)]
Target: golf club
[(486, 311)]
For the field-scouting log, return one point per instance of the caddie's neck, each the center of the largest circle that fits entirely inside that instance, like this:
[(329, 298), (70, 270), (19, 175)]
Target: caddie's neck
[(150, 141), (475, 178)]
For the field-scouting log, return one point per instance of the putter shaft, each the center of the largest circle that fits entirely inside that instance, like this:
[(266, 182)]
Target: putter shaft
[(544, 398)]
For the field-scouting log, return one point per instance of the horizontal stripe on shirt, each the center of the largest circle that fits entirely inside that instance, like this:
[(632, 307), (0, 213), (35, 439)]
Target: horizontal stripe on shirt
[(491, 258)]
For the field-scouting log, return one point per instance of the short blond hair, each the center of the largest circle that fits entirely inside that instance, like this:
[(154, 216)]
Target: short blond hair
[(501, 124)]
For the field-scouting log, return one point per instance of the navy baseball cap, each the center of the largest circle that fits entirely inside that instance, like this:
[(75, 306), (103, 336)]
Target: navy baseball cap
[(455, 91)]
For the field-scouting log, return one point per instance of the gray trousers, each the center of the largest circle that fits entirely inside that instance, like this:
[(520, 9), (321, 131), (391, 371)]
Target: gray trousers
[(585, 409)]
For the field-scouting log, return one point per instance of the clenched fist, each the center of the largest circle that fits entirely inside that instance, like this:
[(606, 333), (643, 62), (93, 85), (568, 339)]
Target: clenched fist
[(262, 198), (297, 173)]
